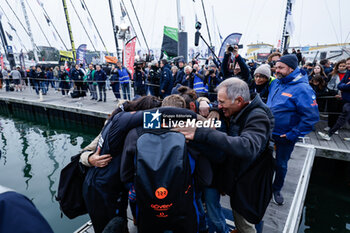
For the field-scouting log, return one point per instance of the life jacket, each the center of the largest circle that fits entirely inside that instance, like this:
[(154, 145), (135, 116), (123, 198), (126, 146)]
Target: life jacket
[(198, 85), (123, 75)]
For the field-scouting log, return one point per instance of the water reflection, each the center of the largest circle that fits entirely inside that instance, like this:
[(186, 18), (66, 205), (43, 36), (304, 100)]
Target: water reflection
[(27, 166), (4, 144), (327, 204), (33, 156)]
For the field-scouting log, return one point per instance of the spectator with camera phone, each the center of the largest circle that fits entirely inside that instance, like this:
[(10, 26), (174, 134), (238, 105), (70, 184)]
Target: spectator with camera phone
[(233, 65)]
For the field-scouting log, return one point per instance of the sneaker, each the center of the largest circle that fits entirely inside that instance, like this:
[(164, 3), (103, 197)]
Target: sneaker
[(324, 136), (346, 139), (278, 198), (336, 132), (327, 128)]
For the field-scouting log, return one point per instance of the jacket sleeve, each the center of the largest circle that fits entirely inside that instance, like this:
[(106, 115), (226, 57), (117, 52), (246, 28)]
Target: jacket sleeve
[(307, 110), (127, 166), (225, 65), (244, 69), (343, 86), (245, 146)]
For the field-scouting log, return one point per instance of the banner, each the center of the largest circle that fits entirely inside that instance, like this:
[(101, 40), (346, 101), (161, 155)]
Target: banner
[(81, 51), (130, 55), (66, 56), (2, 61), (232, 39), (110, 59), (170, 41), (21, 60)]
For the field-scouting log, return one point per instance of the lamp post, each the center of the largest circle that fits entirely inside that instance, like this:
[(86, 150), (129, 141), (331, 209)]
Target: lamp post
[(124, 34)]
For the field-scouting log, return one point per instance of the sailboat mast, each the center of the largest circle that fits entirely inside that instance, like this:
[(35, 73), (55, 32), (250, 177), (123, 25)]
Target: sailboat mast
[(69, 29), (7, 49), (285, 34), (30, 31), (114, 28)]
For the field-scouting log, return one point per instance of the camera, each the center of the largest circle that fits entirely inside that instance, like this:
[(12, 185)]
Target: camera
[(230, 48)]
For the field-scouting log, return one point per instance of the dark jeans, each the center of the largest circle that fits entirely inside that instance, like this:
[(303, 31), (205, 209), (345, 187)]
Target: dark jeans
[(215, 215), (333, 106), (126, 90), (284, 149), (7, 82), (102, 90), (115, 88), (64, 87), (79, 86), (342, 119)]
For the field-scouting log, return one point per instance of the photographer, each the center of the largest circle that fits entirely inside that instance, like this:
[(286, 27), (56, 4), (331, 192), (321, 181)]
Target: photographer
[(211, 81), (154, 79), (188, 77), (235, 68), (139, 80)]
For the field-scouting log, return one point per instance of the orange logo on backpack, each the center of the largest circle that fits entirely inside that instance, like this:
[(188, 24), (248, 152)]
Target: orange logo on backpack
[(161, 193)]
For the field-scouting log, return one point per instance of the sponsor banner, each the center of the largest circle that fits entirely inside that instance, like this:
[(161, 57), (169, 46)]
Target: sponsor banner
[(130, 55), (81, 51)]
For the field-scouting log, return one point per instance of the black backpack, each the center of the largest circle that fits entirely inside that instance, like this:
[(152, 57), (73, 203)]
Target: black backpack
[(69, 194), (164, 182)]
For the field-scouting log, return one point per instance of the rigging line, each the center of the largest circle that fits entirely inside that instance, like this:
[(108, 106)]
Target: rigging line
[(340, 25), (261, 9), (81, 22), (138, 21), (206, 21), (249, 19), (347, 37), (132, 26), (98, 32), (41, 29), (19, 38), (15, 16), (300, 24), (54, 28), (330, 17)]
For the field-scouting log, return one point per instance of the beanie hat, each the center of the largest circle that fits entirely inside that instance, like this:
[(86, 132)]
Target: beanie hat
[(264, 70), (290, 60)]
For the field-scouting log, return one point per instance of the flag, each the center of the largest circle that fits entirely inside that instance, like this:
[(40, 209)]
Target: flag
[(9, 36), (54, 35), (40, 3), (130, 55), (232, 39), (12, 28), (122, 10), (47, 19), (170, 41), (82, 4), (81, 51)]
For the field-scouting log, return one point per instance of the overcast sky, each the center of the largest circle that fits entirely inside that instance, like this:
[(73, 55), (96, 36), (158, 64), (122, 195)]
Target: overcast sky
[(316, 21)]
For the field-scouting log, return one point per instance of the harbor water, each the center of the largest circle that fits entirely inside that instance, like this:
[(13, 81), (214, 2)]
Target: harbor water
[(32, 156), (327, 203)]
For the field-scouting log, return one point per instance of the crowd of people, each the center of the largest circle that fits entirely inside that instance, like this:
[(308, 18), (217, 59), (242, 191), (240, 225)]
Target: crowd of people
[(277, 102)]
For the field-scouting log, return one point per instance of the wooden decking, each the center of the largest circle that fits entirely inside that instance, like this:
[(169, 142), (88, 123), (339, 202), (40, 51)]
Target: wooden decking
[(337, 143)]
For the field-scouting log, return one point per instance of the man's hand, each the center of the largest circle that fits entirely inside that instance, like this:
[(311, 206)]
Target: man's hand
[(188, 132), (283, 136), (204, 108), (162, 91), (99, 161)]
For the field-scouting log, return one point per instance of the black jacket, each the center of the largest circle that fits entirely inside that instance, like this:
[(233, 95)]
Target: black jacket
[(227, 73), (243, 139)]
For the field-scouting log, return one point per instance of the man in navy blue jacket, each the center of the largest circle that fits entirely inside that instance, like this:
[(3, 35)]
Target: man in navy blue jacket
[(166, 81), (18, 214), (344, 87), (101, 77), (293, 104)]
